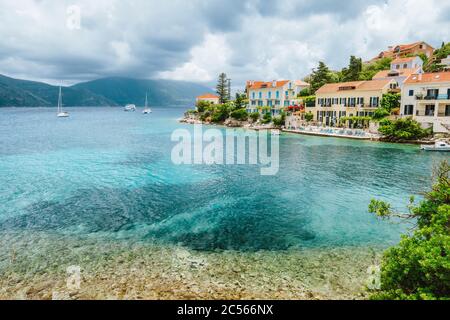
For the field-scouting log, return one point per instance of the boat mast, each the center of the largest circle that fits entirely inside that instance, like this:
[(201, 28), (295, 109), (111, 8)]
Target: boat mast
[(146, 100), (60, 101)]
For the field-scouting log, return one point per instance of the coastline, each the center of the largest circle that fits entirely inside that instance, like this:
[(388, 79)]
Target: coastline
[(117, 270), (308, 133)]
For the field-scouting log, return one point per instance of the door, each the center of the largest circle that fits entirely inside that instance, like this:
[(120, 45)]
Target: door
[(429, 110)]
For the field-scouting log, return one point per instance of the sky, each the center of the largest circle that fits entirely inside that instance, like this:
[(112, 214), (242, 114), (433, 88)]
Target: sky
[(65, 42)]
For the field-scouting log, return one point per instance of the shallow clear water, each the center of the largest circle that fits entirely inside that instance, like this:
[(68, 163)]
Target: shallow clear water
[(108, 174)]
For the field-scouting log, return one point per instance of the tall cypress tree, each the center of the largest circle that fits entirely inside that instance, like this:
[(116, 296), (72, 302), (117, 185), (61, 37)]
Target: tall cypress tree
[(320, 76), (222, 88)]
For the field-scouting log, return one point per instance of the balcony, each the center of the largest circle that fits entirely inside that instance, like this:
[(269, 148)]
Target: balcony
[(433, 97)]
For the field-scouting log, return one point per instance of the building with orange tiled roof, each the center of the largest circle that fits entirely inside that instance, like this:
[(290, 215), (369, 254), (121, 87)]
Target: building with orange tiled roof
[(347, 99), (208, 97), (404, 50), (275, 95), (401, 69), (426, 98)]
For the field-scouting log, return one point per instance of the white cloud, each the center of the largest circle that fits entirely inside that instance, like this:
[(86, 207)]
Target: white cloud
[(207, 61), (195, 40)]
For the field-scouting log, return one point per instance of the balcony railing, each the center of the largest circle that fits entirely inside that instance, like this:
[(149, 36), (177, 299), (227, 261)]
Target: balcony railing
[(433, 97)]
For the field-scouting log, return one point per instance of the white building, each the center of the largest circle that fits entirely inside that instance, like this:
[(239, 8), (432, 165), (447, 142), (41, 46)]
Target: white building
[(401, 69), (426, 98), (275, 95), (446, 63), (208, 97)]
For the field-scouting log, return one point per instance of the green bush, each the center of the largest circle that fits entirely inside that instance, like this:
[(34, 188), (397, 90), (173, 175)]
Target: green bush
[(390, 101), (380, 113), (419, 266), (402, 129), (310, 101), (305, 92), (280, 120), (202, 105), (240, 114), (267, 118), (255, 116), (221, 113), (309, 117)]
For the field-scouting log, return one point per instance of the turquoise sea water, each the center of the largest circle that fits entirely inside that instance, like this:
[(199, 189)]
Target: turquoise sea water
[(108, 174)]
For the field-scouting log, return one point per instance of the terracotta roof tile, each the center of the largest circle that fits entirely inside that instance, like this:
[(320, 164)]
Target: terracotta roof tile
[(428, 78), (208, 96), (403, 60), (401, 73), (261, 84), (355, 85)]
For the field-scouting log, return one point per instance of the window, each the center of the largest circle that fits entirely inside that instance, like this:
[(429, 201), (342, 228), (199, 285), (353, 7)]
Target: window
[(397, 67), (352, 102), (408, 111), (253, 103), (429, 110), (447, 110), (269, 95), (253, 95), (286, 94), (277, 102), (374, 101), (260, 95), (411, 93), (405, 66), (278, 94), (432, 93), (269, 103)]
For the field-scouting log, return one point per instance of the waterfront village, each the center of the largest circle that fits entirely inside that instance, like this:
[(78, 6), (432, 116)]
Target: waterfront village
[(401, 95)]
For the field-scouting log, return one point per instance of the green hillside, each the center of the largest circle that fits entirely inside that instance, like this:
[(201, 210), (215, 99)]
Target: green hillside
[(160, 92), (102, 92)]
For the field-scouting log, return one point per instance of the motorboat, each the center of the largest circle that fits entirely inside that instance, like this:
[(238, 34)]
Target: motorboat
[(438, 146), (130, 107), (276, 132)]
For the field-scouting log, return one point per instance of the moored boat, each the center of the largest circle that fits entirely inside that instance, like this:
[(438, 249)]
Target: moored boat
[(438, 146), (60, 113), (147, 110), (130, 107), (276, 132)]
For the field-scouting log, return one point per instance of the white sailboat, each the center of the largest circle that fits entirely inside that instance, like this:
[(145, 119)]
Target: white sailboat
[(60, 112), (147, 110)]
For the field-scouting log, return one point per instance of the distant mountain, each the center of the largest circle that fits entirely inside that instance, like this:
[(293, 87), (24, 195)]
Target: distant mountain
[(102, 92), (160, 92), (20, 93)]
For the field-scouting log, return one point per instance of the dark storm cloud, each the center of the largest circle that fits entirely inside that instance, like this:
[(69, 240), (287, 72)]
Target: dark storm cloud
[(194, 40)]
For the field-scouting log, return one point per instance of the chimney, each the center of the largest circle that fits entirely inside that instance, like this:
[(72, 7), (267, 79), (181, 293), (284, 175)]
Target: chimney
[(274, 83), (420, 77)]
